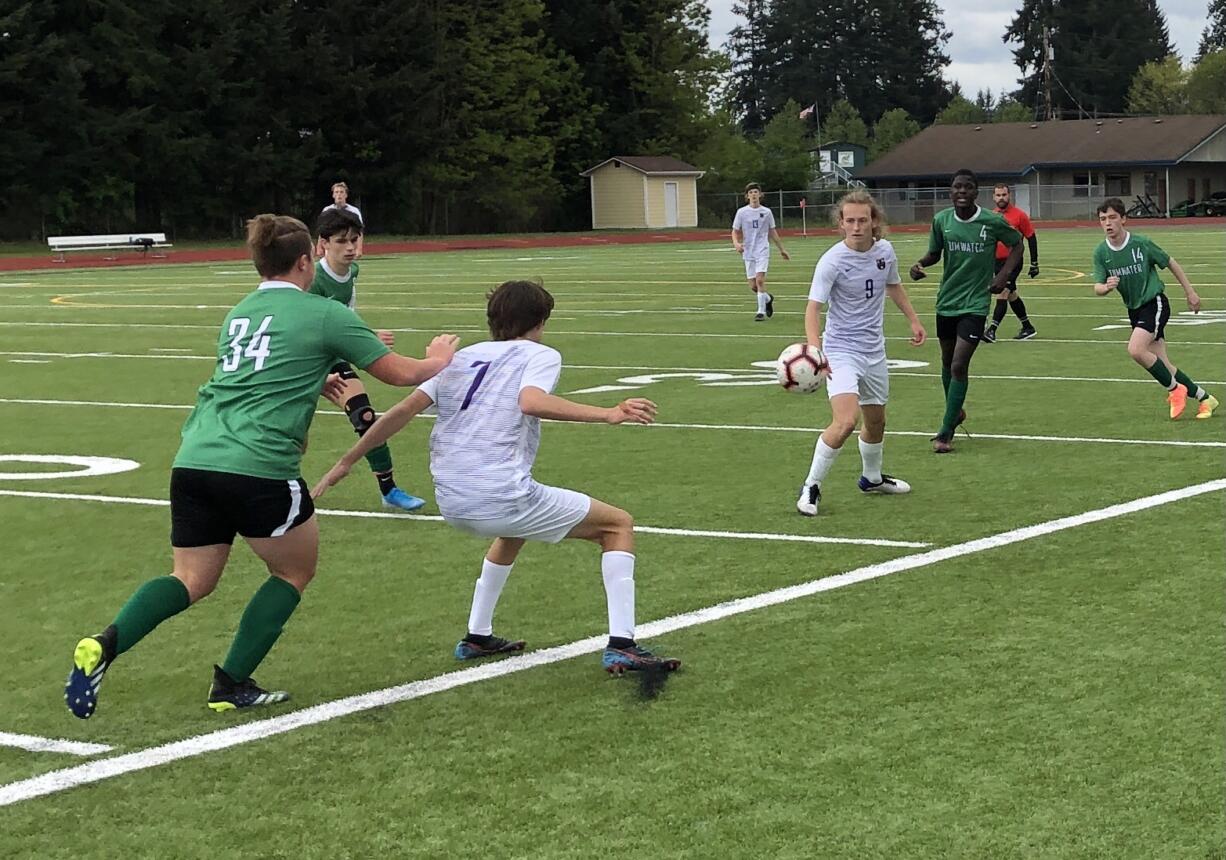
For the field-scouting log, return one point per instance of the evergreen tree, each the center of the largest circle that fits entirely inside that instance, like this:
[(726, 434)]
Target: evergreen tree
[(961, 111), (786, 161), (891, 129), (1098, 47), (1213, 37), (843, 123)]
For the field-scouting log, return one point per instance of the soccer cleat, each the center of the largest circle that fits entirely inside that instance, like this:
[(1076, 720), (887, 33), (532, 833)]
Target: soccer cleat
[(989, 334), (89, 665), (770, 305), (634, 659), (961, 422), (1026, 333), (889, 485), (810, 497), (466, 650), (942, 444), (398, 498), (1205, 410), (1178, 398), (229, 695), (759, 317)]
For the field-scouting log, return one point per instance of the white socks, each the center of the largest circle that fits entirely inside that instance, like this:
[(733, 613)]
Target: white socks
[(823, 458), (871, 454), (617, 568), (762, 295), (485, 597)]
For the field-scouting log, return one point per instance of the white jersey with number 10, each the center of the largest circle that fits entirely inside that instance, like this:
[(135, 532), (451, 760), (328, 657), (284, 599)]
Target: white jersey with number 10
[(483, 446)]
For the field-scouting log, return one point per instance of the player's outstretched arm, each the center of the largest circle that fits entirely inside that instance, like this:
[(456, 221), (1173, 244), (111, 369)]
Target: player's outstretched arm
[(388, 425), (898, 295), (539, 404), (1182, 277), (396, 369), (1033, 242)]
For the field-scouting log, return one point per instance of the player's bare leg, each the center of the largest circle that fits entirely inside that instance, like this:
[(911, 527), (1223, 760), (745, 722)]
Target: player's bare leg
[(480, 640), (361, 414), (845, 410), (872, 442), (766, 302)]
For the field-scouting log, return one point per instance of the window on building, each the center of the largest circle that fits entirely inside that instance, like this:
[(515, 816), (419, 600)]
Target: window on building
[(1151, 183), (1118, 184), (1081, 184)]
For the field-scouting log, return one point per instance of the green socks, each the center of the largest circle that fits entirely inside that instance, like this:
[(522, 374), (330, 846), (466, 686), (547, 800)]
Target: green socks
[(946, 376), (1193, 389), (1158, 370), (955, 396), (380, 459), (261, 624), (154, 602)]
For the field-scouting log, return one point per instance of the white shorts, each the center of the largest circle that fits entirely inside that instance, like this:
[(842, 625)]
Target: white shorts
[(547, 516), (852, 373), (757, 263)]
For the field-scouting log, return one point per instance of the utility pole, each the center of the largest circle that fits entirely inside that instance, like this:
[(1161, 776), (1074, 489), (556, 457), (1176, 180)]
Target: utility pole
[(1049, 56)]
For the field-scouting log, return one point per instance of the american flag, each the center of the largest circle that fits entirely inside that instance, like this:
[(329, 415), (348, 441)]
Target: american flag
[(808, 112)]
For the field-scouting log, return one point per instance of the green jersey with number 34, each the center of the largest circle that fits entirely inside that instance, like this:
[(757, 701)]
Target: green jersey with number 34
[(275, 348), (969, 249)]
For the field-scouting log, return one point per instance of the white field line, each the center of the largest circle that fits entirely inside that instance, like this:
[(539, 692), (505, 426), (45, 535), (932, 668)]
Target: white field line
[(33, 743), (84, 774), (765, 428), (387, 515), (564, 333), (745, 370)]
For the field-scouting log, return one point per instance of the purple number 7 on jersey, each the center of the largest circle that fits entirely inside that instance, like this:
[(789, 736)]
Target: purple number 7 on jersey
[(472, 389)]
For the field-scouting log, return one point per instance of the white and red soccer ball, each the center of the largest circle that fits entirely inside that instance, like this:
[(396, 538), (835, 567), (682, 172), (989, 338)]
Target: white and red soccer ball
[(799, 368)]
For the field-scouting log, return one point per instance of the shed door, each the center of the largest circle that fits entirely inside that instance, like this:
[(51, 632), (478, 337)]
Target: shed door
[(670, 204)]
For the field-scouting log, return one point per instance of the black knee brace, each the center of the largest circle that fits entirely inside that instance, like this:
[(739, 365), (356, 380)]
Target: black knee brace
[(360, 413)]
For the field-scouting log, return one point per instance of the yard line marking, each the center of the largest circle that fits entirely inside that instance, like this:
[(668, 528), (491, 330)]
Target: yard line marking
[(766, 428), (96, 771), (28, 361), (429, 518), (33, 743)]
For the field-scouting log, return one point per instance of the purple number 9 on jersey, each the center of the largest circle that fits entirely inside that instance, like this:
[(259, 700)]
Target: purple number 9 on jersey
[(472, 389)]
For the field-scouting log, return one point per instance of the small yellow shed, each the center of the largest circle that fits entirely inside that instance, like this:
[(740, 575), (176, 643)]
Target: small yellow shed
[(644, 191)]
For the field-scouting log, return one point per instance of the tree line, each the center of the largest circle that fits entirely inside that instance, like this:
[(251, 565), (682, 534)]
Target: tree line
[(451, 117)]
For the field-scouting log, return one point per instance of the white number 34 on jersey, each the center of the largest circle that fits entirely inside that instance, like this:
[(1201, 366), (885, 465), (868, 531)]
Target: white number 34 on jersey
[(256, 347)]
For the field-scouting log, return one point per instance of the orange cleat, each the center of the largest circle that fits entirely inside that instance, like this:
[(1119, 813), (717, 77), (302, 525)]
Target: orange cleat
[(1178, 398)]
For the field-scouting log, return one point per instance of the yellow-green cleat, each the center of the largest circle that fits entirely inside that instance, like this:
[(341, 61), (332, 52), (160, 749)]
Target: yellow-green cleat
[(227, 694), (89, 664), (1207, 406)]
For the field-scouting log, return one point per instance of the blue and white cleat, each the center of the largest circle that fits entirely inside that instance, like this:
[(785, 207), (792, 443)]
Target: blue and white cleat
[(466, 649), (401, 500), (888, 485), (617, 661), (89, 665)]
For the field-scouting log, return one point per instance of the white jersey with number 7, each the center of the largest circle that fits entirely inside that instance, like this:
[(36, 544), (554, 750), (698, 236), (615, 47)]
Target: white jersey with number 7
[(483, 446)]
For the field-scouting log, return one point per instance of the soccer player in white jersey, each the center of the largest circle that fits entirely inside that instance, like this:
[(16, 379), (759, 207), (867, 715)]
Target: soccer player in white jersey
[(340, 200), (753, 229), (850, 284), (490, 402)]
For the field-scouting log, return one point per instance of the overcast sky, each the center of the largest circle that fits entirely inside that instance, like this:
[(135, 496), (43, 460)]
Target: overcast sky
[(978, 58)]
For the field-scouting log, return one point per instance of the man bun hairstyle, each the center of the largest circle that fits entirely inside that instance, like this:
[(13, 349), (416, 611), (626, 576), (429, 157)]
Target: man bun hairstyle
[(1113, 203), (514, 308), (276, 242)]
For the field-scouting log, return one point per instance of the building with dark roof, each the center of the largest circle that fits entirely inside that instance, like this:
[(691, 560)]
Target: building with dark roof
[(1166, 159)]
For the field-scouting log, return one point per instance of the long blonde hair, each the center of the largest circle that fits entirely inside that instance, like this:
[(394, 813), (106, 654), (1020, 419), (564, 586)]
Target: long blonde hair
[(863, 198)]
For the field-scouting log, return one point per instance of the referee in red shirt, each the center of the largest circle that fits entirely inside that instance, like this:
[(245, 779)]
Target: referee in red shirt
[(1019, 221)]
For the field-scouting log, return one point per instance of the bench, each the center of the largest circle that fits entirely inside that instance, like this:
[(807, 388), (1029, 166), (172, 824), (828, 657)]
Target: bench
[(110, 242)]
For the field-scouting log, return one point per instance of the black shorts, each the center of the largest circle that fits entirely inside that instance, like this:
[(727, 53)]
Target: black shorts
[(1152, 316), (209, 508), (1011, 284), (969, 327)]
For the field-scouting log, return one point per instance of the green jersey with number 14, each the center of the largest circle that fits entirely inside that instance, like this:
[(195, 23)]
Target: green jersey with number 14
[(275, 348), (1136, 264), (969, 249)]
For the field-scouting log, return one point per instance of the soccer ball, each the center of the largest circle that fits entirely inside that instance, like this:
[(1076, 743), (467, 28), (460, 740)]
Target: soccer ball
[(798, 366)]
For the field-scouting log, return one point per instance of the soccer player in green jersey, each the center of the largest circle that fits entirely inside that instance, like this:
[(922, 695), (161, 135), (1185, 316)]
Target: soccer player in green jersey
[(336, 277), (1129, 263), (966, 235), (238, 467)]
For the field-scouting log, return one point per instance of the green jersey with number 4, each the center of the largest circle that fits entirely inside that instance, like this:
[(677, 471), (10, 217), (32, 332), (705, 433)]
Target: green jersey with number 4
[(275, 348), (1136, 264), (969, 249), (332, 286)]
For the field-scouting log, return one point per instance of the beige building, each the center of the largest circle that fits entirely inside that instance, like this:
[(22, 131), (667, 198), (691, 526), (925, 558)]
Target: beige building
[(644, 191)]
